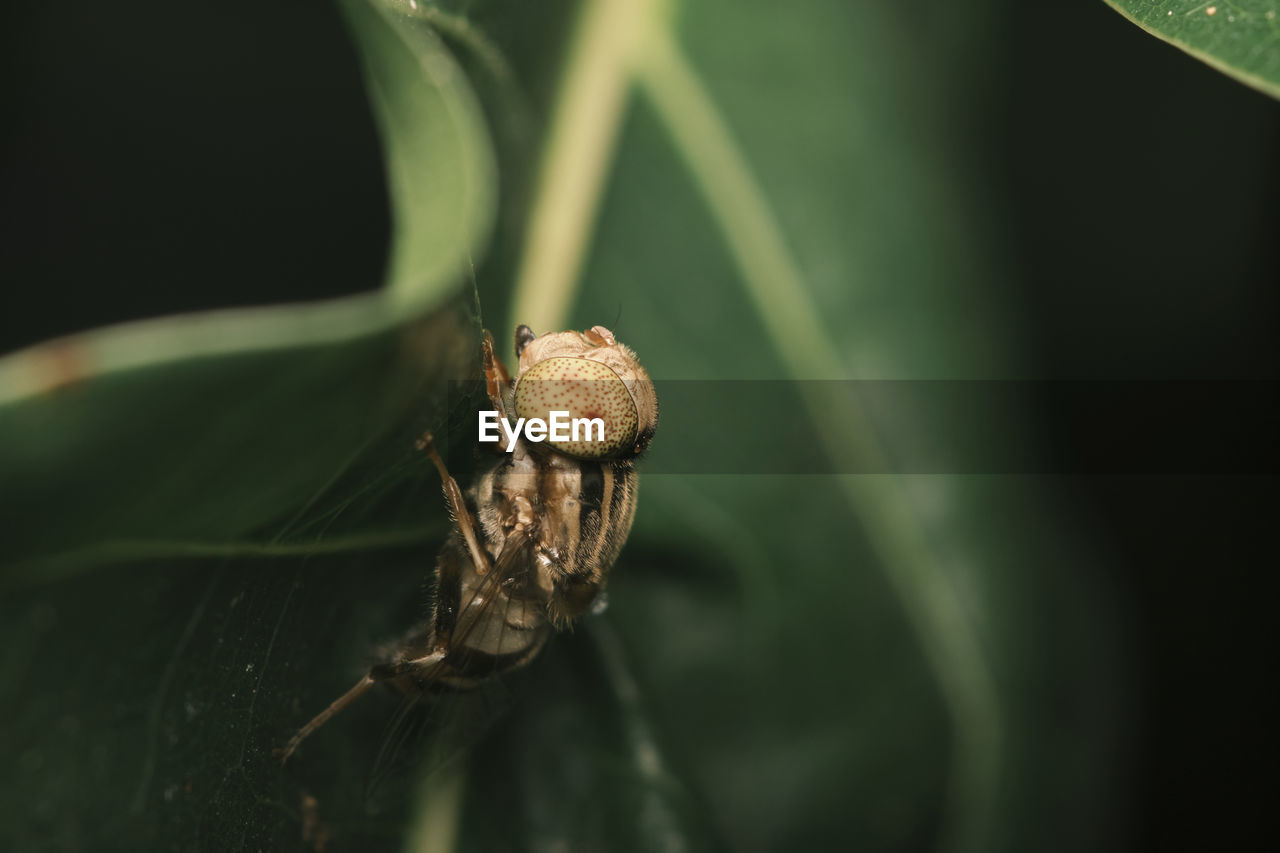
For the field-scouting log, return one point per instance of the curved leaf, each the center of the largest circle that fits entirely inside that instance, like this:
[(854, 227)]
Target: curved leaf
[(789, 660), (187, 498), (192, 410), (1240, 38)]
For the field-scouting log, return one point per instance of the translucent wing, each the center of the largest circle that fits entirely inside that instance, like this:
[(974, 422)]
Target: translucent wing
[(459, 691)]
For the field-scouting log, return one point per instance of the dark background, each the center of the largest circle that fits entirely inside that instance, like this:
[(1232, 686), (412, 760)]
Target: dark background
[(1142, 197), (1148, 251)]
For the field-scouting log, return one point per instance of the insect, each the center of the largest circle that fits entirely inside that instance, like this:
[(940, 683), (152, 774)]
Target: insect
[(534, 538)]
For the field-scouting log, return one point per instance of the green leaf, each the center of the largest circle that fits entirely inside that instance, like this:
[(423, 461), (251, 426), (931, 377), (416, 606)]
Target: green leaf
[(222, 516), (197, 407), (187, 498), (833, 657), (1241, 38)]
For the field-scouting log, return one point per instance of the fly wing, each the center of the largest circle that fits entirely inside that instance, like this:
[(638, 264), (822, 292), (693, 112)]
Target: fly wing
[(480, 615), (461, 689), (428, 733)]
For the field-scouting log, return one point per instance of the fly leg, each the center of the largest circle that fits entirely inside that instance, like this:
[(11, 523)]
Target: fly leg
[(427, 649), (497, 381), (381, 672), (497, 384), (457, 504), (357, 690), (411, 676), (575, 595)]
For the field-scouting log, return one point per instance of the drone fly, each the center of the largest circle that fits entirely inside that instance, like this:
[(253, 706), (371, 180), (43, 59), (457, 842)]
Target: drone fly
[(534, 538)]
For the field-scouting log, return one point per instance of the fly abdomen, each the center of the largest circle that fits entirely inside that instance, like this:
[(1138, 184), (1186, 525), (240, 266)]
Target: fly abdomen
[(468, 667)]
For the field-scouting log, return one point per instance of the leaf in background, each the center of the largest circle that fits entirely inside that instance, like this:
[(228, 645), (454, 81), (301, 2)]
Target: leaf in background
[(850, 660), (1238, 38), (868, 660), (193, 506), (246, 386)]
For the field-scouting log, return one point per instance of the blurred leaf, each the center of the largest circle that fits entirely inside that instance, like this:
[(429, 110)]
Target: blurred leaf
[(868, 659), (185, 500), (198, 407), (855, 661), (1237, 38)]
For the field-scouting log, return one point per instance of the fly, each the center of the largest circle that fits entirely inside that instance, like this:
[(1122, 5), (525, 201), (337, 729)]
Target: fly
[(534, 538)]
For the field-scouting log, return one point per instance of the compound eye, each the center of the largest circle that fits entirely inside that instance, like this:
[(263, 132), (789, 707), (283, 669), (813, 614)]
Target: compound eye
[(602, 419)]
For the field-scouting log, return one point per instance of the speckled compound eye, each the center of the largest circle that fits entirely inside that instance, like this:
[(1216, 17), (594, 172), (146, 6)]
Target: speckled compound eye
[(587, 390)]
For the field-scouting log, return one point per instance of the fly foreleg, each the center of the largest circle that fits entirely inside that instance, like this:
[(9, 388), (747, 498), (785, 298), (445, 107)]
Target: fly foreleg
[(457, 504), (497, 381)]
